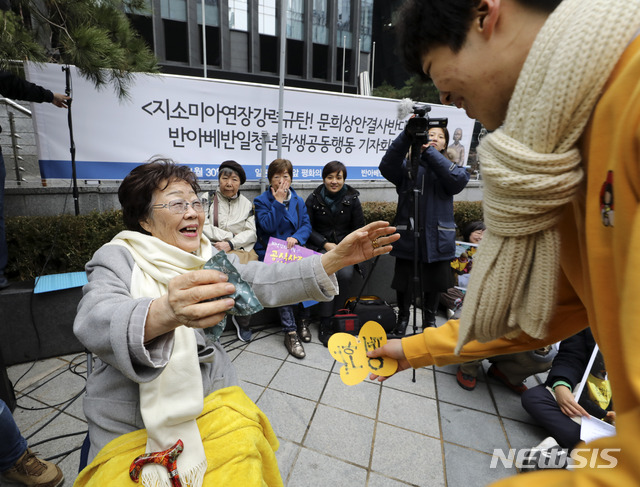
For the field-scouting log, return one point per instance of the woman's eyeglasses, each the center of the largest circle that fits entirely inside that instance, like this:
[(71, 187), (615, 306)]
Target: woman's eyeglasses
[(181, 206)]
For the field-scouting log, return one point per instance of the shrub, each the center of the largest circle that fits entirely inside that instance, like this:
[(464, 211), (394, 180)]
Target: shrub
[(377, 210), (41, 245), (463, 211), (466, 211)]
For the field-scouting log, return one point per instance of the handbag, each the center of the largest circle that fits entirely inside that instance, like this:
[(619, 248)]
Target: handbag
[(344, 321), (367, 308), (372, 308)]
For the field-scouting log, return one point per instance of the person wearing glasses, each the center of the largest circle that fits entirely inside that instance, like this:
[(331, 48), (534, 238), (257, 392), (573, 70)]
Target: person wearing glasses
[(157, 378)]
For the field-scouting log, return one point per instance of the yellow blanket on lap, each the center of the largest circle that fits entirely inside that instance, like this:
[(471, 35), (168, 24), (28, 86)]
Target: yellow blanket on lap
[(238, 440)]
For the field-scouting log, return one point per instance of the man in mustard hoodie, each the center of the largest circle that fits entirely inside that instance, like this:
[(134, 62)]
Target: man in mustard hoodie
[(556, 83)]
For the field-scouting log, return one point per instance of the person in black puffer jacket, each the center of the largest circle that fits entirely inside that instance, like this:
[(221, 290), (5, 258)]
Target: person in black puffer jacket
[(334, 211)]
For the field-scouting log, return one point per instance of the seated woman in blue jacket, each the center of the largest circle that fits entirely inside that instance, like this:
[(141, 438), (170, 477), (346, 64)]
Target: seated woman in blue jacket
[(436, 179), (282, 214)]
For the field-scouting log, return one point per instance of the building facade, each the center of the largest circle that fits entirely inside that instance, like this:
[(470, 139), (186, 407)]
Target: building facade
[(328, 42)]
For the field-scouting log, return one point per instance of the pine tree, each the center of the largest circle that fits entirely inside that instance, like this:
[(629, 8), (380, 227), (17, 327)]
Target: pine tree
[(93, 35), (414, 88)]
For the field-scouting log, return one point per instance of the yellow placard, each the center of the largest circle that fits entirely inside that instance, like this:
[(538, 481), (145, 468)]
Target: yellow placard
[(352, 352)]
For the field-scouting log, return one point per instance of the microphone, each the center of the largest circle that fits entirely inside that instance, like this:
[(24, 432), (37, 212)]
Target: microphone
[(405, 108)]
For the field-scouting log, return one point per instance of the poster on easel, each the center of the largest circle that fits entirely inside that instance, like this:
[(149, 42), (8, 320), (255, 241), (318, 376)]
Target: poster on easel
[(462, 263)]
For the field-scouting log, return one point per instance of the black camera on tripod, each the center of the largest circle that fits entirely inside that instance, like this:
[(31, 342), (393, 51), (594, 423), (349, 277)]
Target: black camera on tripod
[(418, 126), (417, 129)]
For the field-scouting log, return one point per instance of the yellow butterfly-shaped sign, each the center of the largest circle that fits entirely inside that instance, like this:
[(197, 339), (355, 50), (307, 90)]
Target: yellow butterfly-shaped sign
[(352, 352)]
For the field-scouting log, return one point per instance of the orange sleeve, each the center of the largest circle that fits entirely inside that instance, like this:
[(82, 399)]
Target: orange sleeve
[(435, 345)]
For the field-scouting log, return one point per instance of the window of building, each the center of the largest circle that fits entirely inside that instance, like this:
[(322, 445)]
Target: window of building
[(174, 19), (213, 45), (174, 10), (145, 10), (143, 25), (295, 57), (366, 23), (319, 19), (320, 61), (177, 41), (267, 17), (343, 26), (295, 19), (269, 49), (346, 75), (238, 15), (211, 13)]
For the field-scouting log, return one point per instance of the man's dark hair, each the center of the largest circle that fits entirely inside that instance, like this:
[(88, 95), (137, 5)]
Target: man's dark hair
[(423, 24)]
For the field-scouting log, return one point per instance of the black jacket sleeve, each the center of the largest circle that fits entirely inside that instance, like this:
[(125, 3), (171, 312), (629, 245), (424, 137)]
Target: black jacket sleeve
[(12, 86), (572, 359)]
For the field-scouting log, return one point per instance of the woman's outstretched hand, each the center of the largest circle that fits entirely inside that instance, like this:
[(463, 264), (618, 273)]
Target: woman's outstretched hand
[(192, 300), (365, 243), (391, 349)]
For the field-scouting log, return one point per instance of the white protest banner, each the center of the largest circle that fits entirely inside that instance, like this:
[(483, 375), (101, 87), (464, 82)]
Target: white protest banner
[(203, 122)]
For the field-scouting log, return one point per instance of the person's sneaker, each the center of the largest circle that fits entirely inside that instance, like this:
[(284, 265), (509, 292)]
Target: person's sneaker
[(465, 381), (497, 374), (303, 330), (292, 342), (547, 454), (4, 282), (31, 471), (244, 332)]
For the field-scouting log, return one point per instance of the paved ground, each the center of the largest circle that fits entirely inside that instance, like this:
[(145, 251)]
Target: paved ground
[(429, 432)]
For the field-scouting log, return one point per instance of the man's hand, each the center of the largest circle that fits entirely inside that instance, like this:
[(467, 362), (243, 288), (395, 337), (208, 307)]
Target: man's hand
[(567, 402), (60, 100), (391, 349)]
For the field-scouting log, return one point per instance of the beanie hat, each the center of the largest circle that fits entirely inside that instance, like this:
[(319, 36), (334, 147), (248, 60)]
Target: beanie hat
[(234, 166)]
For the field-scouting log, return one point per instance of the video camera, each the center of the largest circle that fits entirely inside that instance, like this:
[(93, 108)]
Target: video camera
[(418, 126), (417, 129)]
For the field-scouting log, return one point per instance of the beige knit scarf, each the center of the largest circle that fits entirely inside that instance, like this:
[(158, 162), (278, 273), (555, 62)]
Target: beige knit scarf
[(170, 403), (532, 168)]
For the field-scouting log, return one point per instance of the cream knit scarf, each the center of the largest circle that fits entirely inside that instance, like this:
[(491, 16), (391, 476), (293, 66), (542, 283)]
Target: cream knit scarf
[(170, 403), (532, 168)]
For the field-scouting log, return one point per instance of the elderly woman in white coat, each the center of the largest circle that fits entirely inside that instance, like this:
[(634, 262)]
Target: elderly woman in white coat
[(230, 224), (157, 379)]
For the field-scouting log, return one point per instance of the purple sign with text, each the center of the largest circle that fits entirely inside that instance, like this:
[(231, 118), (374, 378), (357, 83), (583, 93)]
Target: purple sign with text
[(277, 251)]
